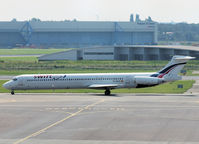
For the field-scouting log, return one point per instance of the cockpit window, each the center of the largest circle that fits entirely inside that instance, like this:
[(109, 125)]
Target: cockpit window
[(15, 79)]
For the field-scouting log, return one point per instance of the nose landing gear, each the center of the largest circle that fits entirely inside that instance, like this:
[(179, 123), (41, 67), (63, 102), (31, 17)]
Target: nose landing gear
[(12, 92)]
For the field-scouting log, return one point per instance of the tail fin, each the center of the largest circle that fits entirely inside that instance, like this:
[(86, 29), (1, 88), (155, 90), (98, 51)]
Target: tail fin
[(171, 70)]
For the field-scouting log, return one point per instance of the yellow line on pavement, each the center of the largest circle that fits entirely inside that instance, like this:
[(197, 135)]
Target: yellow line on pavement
[(58, 122)]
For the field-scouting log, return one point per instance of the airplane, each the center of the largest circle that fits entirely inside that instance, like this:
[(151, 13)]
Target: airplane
[(104, 81)]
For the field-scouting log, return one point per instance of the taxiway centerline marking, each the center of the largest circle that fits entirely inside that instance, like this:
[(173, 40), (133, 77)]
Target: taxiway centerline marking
[(58, 122)]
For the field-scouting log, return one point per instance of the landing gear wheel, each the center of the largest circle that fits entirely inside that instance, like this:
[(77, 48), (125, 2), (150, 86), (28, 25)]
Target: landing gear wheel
[(12, 92), (107, 92)]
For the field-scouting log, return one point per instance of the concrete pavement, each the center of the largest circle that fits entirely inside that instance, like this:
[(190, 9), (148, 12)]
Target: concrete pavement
[(98, 119)]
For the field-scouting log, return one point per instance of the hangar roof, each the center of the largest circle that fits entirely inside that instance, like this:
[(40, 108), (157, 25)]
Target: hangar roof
[(79, 26), (70, 26), (11, 26), (180, 47)]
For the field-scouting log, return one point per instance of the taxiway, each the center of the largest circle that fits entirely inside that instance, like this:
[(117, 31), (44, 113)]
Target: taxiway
[(98, 119)]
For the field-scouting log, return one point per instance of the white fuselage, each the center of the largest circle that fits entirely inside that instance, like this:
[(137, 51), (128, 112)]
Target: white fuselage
[(73, 81)]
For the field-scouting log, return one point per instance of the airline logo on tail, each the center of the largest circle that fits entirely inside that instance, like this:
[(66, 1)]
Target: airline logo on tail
[(166, 70), (171, 70)]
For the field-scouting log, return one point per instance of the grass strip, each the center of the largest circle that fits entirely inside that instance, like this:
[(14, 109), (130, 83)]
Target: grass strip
[(28, 51)]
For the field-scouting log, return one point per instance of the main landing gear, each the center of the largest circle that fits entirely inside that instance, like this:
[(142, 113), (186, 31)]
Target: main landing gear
[(12, 92), (107, 92)]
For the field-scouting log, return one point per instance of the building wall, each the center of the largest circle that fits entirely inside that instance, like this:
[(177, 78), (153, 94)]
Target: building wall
[(105, 53), (71, 38), (122, 53), (11, 39), (91, 38)]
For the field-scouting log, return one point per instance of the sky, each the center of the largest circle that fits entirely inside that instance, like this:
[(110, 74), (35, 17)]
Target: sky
[(100, 10)]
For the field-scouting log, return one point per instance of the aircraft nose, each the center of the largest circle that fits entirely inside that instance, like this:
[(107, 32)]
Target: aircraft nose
[(7, 85)]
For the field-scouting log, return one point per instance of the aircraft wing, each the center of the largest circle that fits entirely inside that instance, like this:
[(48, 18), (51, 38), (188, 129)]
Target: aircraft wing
[(103, 86)]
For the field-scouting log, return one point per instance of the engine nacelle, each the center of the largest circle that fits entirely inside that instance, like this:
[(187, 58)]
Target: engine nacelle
[(146, 80)]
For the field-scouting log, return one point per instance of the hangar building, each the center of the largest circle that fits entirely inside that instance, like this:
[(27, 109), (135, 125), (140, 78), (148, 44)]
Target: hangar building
[(124, 52), (77, 33)]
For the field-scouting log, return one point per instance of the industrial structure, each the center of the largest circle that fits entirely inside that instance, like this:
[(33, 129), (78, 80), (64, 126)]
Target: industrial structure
[(124, 52), (92, 40), (77, 33)]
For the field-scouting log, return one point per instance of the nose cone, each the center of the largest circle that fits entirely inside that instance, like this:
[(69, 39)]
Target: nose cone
[(7, 85)]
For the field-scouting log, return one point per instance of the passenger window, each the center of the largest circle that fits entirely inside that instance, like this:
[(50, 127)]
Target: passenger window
[(15, 79)]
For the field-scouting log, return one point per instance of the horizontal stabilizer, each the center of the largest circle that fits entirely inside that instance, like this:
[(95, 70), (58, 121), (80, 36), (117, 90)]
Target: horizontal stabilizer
[(184, 58)]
